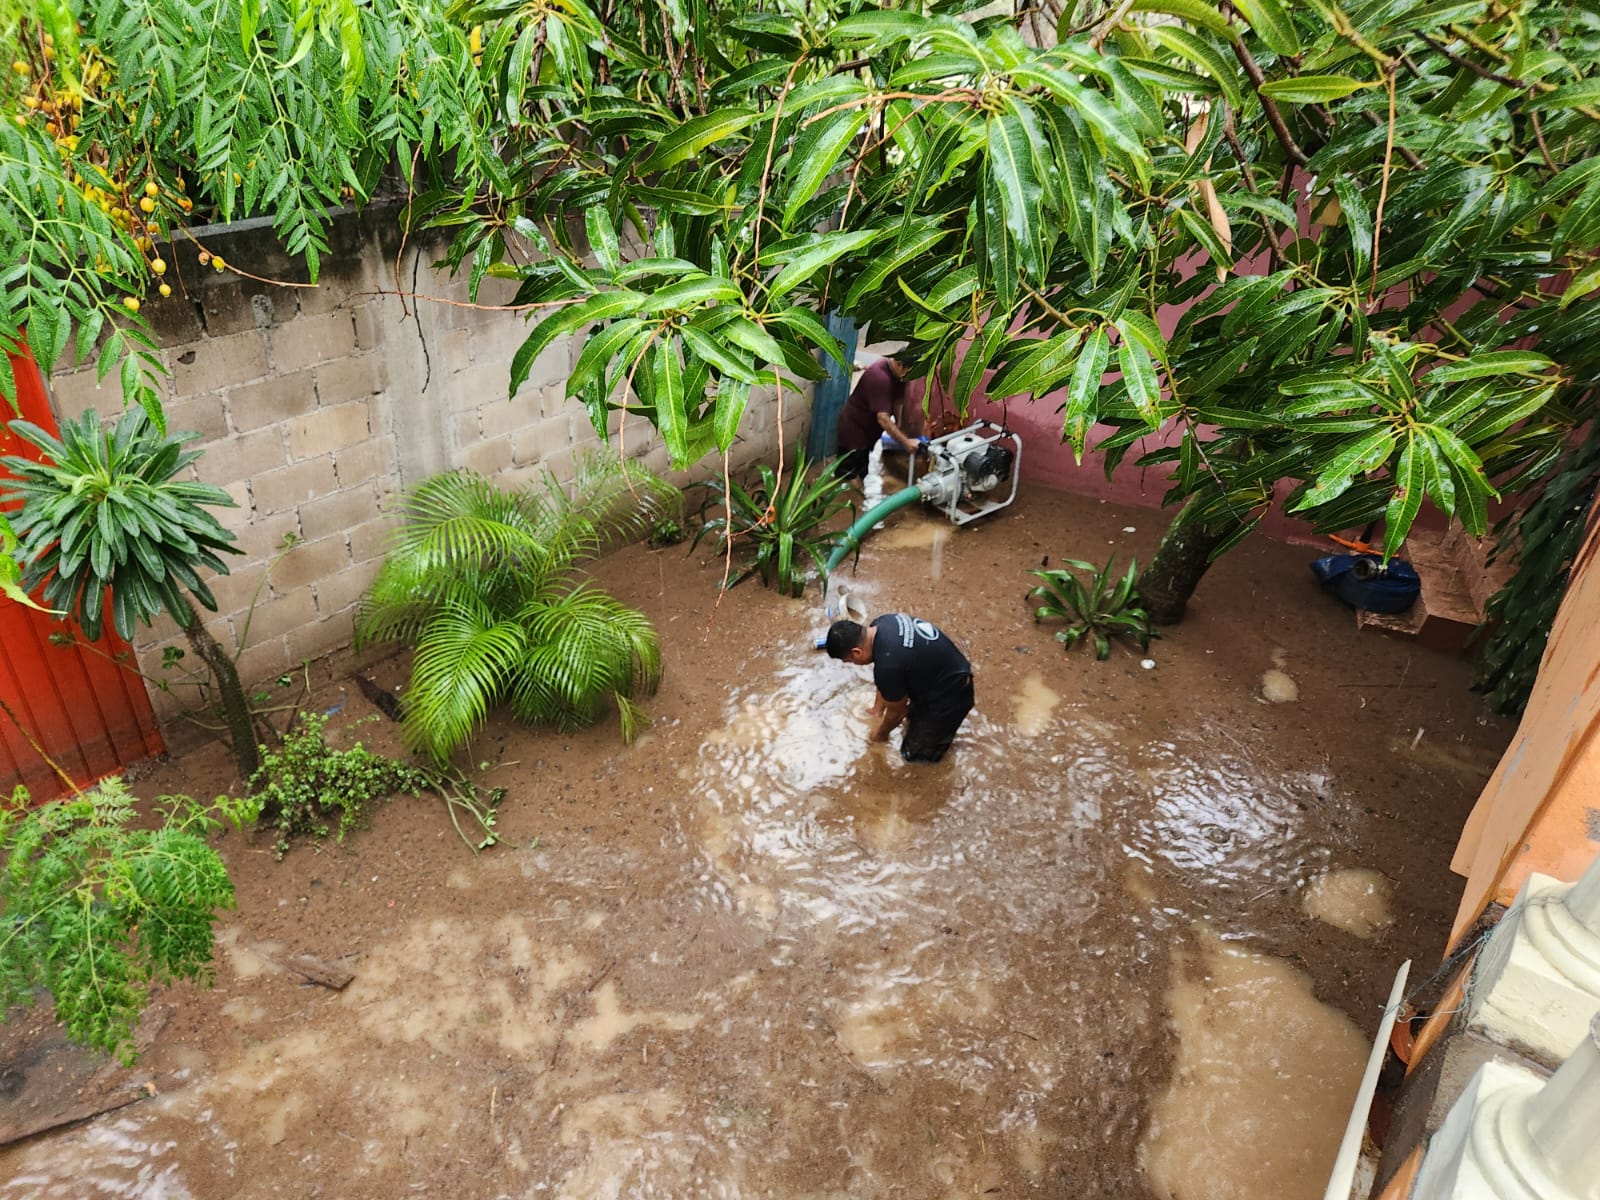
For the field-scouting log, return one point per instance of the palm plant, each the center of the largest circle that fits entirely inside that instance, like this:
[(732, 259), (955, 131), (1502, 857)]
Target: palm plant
[(483, 583), (106, 512), (1100, 608), (780, 522)]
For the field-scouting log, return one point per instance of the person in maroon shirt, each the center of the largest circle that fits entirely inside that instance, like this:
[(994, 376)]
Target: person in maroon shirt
[(869, 413)]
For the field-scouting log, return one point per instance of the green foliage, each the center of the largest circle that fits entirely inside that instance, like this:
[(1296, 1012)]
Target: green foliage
[(777, 524), (107, 509), (95, 911), (1099, 608), (1546, 538), (665, 532), (305, 784), (484, 584), (1386, 206), (283, 108)]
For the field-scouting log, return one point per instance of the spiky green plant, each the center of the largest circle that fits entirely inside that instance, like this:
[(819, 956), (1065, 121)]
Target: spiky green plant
[(1099, 608), (96, 910), (484, 584), (777, 524), (108, 510)]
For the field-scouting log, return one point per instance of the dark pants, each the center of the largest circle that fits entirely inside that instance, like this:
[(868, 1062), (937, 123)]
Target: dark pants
[(930, 728), (852, 464)]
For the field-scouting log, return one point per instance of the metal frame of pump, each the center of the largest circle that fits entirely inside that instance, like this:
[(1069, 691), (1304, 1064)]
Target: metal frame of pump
[(955, 474)]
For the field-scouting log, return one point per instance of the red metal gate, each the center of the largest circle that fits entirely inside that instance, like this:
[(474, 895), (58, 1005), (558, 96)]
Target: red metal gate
[(87, 712)]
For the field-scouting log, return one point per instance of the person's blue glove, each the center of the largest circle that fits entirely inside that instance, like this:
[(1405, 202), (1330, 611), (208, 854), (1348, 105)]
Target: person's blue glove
[(922, 446)]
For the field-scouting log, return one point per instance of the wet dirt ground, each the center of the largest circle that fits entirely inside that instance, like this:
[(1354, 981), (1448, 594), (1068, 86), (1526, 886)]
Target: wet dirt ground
[(751, 956)]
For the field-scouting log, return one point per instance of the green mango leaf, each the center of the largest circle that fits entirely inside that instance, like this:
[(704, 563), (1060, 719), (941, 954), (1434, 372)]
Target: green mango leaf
[(816, 154), (602, 306), (1138, 373), (602, 238), (1224, 71), (802, 263), (1272, 24), (1359, 456), (1083, 392), (1494, 362), (1016, 183), (744, 332), (732, 396), (667, 392), (1196, 12), (711, 351), (1312, 89), (1410, 484), (694, 135), (691, 293)]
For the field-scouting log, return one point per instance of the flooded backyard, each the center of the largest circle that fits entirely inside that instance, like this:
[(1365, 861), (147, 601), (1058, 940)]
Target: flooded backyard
[(1129, 940)]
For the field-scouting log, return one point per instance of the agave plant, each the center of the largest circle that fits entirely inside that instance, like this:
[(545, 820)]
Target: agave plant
[(1100, 608), (778, 523), (484, 583), (106, 512)]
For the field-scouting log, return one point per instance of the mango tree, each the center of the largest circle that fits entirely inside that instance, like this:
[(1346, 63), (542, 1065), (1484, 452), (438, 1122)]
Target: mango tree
[(1380, 217)]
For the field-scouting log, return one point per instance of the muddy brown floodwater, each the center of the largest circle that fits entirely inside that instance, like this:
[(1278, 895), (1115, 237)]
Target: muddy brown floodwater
[(751, 956)]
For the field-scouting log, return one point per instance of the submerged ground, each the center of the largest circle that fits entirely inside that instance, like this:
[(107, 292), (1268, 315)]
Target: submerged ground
[(1112, 948)]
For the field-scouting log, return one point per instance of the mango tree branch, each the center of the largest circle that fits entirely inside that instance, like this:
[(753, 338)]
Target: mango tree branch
[(1268, 105)]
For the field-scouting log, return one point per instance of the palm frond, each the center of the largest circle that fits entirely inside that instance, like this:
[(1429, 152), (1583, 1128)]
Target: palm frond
[(459, 520), (462, 662)]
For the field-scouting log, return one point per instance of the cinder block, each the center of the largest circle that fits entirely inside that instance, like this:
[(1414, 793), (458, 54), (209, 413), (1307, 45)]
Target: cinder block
[(217, 363), (263, 661), (352, 378), (370, 325), (327, 430), (339, 593), (371, 541), (539, 442), (452, 351), (262, 539), (278, 398), (322, 636), (287, 487), (308, 562), (504, 417), (278, 616), (244, 456), (234, 304), (306, 341), (337, 513), (363, 462), (481, 383), (205, 415), (76, 392), (235, 590), (487, 458)]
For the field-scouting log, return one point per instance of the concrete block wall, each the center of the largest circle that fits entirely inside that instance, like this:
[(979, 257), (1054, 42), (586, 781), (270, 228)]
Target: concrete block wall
[(317, 406)]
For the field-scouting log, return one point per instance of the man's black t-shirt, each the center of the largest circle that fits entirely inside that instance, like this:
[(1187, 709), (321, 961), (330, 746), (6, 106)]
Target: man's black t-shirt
[(912, 659)]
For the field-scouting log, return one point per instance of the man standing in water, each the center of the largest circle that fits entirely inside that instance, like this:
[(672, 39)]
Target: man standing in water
[(922, 679), (869, 413)]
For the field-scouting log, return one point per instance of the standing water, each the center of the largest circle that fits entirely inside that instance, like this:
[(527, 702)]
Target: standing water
[(753, 956)]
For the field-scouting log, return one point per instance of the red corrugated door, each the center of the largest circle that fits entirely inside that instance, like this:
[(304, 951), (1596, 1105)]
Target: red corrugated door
[(85, 711)]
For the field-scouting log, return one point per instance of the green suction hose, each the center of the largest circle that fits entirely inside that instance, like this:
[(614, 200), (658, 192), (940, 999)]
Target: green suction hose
[(862, 527)]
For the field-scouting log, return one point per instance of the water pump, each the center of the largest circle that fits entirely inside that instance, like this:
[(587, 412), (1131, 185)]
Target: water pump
[(966, 471)]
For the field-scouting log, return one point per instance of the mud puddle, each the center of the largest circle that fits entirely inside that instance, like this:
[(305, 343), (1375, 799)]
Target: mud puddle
[(751, 955)]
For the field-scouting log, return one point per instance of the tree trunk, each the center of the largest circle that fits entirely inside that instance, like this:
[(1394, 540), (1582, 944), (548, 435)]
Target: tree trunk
[(230, 696), (1180, 563)]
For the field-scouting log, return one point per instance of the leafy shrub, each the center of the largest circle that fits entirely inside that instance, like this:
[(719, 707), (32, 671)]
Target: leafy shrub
[(306, 784), (95, 912), (484, 584), (776, 525), (1099, 608)]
